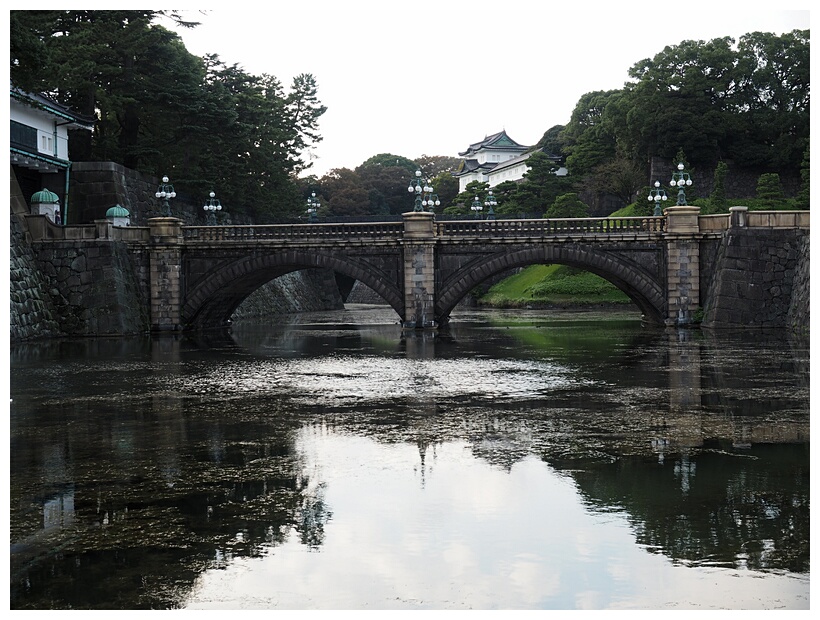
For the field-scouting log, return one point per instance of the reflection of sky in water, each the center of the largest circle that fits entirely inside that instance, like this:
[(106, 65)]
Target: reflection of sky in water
[(463, 534), (340, 379)]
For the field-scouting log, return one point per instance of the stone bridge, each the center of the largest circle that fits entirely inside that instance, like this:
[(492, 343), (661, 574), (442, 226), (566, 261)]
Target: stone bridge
[(194, 277)]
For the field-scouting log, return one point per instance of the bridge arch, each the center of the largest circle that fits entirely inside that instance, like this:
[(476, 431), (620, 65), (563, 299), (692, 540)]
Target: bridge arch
[(212, 302), (641, 287)]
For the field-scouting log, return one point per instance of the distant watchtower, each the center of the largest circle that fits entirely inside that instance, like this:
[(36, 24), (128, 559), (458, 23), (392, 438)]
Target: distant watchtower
[(480, 158)]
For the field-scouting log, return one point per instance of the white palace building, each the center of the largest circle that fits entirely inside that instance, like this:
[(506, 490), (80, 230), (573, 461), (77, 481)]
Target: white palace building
[(497, 158)]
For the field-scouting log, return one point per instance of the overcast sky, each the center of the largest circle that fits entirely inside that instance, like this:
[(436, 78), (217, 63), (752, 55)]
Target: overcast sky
[(429, 78)]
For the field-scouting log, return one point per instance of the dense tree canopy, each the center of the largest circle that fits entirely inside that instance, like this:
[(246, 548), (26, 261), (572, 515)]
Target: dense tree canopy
[(748, 102), (161, 110), (589, 139), (386, 177), (718, 100), (345, 193), (551, 142)]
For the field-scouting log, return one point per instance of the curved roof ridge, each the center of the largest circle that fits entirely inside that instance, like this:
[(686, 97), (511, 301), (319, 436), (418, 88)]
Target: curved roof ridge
[(495, 141)]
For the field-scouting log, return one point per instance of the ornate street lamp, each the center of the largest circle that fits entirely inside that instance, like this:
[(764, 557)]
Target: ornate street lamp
[(165, 192), (212, 205), (681, 179), (312, 207), (490, 202), (430, 200), (425, 196), (476, 207), (657, 195)]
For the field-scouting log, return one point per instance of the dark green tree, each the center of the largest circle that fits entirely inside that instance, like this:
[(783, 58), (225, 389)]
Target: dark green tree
[(680, 99), (717, 199), (389, 160), (551, 142), (462, 202), (748, 103), (345, 192), (446, 186), (588, 139), (303, 110), (386, 178), (802, 199), (567, 206), (643, 205), (30, 57), (770, 191), (433, 165), (619, 177), (541, 186), (505, 194), (772, 107)]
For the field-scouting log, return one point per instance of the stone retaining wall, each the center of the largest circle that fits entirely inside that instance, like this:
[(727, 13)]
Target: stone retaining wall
[(761, 280), (363, 294), (32, 313), (798, 317), (309, 290)]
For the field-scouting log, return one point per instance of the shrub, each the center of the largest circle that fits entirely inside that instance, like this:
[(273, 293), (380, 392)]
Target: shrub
[(770, 191), (567, 205)]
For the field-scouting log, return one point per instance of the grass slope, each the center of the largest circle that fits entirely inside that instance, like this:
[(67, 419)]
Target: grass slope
[(558, 285)]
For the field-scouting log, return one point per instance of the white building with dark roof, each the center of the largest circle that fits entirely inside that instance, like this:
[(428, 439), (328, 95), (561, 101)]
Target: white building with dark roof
[(39, 143), (497, 158), (481, 157)]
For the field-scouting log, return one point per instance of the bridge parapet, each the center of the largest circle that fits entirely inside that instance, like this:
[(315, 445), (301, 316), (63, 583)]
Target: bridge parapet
[(778, 219), (741, 216), (40, 228), (552, 227), (295, 232)]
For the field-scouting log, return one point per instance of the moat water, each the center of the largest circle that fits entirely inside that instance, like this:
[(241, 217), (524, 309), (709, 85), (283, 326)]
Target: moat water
[(518, 460)]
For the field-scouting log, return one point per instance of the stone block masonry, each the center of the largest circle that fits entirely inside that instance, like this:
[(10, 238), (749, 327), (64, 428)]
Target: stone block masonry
[(683, 269), (419, 270), (166, 292), (32, 311), (798, 317), (93, 288), (97, 186), (308, 290), (761, 280), (682, 264)]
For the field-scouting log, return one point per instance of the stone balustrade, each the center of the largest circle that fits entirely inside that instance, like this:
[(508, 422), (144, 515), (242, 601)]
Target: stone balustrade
[(552, 227), (301, 232), (42, 229)]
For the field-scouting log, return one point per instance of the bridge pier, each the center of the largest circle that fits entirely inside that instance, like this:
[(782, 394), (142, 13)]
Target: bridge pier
[(418, 244), (165, 255), (682, 264)]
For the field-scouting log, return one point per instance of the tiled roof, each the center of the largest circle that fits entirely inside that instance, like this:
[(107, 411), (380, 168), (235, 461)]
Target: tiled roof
[(38, 100), (513, 162), (472, 165), (500, 141)]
